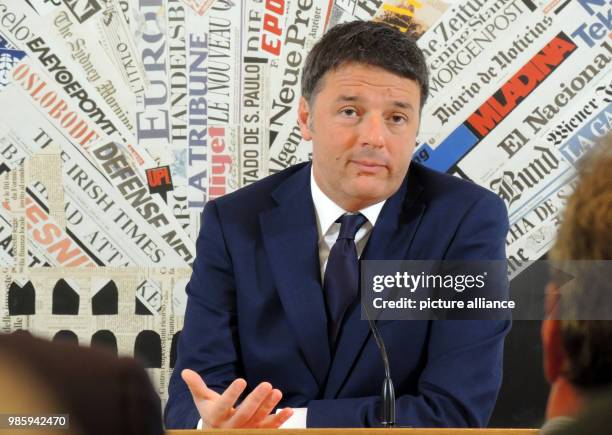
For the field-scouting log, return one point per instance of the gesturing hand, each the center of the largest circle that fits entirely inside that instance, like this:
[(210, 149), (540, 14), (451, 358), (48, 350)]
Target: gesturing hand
[(217, 410)]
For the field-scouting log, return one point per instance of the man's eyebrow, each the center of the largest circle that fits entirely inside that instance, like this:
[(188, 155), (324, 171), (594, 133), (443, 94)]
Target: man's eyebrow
[(348, 98), (403, 105), (397, 103)]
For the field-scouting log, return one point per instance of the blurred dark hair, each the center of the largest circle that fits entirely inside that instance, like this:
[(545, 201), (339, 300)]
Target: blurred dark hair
[(365, 42), (586, 234)]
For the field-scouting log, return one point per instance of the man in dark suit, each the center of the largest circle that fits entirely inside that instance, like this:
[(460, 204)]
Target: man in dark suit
[(273, 296)]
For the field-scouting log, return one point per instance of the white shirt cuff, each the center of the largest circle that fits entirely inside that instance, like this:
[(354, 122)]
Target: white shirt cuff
[(297, 420), (199, 426)]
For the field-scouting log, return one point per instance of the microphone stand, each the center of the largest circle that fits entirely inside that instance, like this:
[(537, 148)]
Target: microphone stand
[(387, 417)]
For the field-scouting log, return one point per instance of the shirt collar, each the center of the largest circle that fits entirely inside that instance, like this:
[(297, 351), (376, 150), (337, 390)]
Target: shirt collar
[(328, 211)]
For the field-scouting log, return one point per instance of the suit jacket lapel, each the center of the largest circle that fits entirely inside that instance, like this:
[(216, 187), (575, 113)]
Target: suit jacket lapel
[(391, 239), (290, 238)]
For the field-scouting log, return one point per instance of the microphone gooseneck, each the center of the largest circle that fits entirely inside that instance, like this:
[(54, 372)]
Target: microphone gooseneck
[(387, 414)]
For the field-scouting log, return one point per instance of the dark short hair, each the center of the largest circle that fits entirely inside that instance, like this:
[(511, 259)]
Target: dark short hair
[(585, 235), (366, 42)]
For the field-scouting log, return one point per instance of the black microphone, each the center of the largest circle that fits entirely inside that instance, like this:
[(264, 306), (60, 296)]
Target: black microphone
[(387, 414)]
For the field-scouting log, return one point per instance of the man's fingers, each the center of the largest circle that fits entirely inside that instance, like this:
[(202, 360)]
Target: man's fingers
[(221, 409), (254, 411), (230, 395), (196, 386), (276, 420), (250, 405), (266, 406)]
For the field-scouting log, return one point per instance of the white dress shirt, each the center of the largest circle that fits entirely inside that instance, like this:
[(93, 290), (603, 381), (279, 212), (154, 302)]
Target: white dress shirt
[(327, 212)]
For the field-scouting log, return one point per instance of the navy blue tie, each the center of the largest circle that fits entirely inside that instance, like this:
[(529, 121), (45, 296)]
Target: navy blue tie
[(341, 280)]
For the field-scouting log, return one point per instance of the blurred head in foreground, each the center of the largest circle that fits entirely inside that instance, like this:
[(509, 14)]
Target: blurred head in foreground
[(577, 333), (100, 393), (23, 392)]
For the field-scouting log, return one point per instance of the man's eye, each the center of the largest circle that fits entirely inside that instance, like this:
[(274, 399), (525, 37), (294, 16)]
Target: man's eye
[(349, 112), (398, 119)]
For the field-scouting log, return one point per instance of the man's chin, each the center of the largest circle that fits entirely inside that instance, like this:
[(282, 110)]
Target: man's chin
[(370, 194)]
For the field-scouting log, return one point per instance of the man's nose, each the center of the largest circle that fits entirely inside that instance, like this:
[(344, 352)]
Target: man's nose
[(373, 130)]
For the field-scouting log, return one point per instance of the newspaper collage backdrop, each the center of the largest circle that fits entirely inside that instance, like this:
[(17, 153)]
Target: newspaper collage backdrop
[(121, 118)]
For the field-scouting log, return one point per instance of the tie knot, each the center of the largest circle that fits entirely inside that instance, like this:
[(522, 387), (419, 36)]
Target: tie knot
[(349, 225)]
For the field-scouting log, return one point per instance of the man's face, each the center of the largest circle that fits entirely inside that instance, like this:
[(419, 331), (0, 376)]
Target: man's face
[(363, 124)]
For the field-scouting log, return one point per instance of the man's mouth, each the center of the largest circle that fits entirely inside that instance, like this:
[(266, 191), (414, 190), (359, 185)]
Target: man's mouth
[(369, 166)]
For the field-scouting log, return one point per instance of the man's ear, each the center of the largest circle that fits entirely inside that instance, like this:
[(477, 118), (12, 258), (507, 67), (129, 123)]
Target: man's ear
[(554, 355), (304, 120)]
